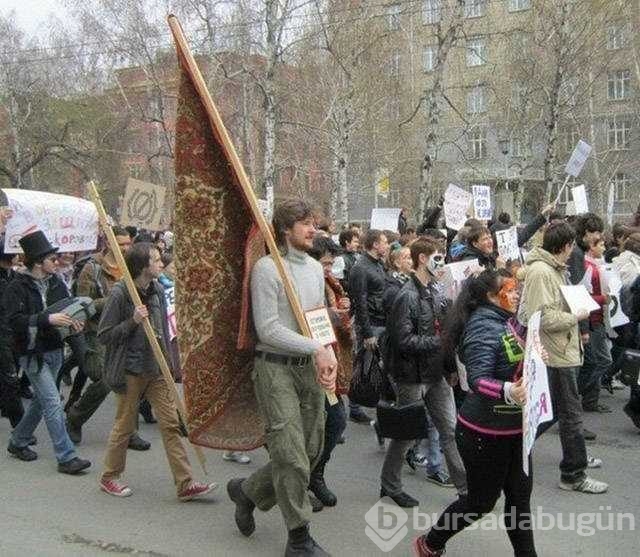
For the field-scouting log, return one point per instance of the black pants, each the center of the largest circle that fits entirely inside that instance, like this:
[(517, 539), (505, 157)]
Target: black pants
[(334, 426), (494, 464)]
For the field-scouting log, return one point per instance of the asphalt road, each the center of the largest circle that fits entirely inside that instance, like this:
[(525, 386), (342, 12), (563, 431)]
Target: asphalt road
[(49, 514)]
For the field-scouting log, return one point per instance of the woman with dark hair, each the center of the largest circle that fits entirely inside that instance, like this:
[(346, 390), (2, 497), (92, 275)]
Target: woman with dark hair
[(489, 432)]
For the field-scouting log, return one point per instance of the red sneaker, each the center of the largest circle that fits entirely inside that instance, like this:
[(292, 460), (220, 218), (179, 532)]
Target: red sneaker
[(196, 489), (115, 488), (422, 549)]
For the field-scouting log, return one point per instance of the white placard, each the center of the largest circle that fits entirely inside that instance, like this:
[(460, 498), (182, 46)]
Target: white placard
[(578, 158), (68, 222), (538, 408), (482, 202), (385, 219), (578, 298), (612, 285), (170, 297), (455, 274), (580, 203), (142, 205), (507, 243), (456, 204), (320, 325)]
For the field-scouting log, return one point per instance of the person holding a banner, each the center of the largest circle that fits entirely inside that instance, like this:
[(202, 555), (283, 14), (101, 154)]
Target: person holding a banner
[(133, 372), (545, 273), (483, 331), (289, 375), (38, 344)]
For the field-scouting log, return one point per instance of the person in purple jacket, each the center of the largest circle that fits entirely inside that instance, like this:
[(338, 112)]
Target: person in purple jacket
[(489, 431)]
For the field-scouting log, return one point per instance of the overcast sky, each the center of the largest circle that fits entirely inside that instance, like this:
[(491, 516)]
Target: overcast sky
[(31, 14)]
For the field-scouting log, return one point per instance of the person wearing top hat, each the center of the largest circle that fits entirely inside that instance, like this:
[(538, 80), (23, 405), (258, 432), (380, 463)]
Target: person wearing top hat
[(37, 343)]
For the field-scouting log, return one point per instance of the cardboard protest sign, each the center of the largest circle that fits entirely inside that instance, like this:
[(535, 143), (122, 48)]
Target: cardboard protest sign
[(170, 296), (142, 205), (507, 243), (70, 223), (578, 298), (537, 408), (320, 325), (456, 205), (385, 219), (578, 159), (612, 285), (482, 202), (580, 203)]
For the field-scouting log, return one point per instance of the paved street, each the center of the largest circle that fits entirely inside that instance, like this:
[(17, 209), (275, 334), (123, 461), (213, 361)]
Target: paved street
[(46, 513)]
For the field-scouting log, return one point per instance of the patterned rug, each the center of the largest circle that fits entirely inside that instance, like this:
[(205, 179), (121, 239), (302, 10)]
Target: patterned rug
[(216, 244)]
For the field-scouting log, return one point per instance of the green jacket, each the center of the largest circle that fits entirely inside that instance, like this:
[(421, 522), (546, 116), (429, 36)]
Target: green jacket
[(559, 333)]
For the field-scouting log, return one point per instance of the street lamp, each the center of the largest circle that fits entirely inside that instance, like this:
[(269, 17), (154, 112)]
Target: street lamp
[(504, 149)]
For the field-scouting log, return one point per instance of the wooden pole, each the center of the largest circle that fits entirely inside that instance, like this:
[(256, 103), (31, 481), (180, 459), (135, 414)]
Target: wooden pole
[(222, 135), (566, 181), (148, 329)]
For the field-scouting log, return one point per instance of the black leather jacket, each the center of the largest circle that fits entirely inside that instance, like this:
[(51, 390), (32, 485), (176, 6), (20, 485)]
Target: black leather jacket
[(366, 289), (414, 325)]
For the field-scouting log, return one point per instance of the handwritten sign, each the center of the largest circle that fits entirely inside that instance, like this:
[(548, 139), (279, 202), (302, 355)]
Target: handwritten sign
[(142, 205), (612, 285), (385, 219), (170, 297), (69, 223), (578, 298), (482, 202), (456, 205), (578, 159), (537, 408), (455, 274), (580, 203), (507, 241), (320, 325)]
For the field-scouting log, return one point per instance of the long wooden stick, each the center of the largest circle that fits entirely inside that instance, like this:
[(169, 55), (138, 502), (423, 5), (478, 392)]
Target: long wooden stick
[(220, 131), (148, 329)]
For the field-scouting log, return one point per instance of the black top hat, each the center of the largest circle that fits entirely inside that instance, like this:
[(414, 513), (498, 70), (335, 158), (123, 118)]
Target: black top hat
[(36, 246)]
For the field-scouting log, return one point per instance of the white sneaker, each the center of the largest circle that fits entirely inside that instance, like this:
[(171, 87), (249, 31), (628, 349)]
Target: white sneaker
[(588, 485), (593, 462), (236, 456), (618, 385)]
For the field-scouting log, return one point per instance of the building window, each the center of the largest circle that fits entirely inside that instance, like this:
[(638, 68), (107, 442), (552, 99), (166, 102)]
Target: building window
[(431, 11), (476, 51), (519, 5), (394, 65), (429, 58), (518, 96), (477, 138), (393, 109), (517, 148), (475, 8), (476, 100), (568, 91), (619, 85), (618, 134), (565, 196), (571, 138), (620, 184), (393, 17), (616, 37)]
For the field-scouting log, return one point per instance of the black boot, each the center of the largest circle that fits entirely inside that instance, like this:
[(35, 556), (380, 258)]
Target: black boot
[(301, 544), (146, 413), (244, 507), (319, 488)]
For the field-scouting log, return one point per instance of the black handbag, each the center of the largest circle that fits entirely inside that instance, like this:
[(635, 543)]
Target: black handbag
[(630, 367), (369, 382), (405, 422)]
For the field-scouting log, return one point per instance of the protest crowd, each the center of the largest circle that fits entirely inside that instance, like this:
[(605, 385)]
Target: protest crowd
[(437, 329)]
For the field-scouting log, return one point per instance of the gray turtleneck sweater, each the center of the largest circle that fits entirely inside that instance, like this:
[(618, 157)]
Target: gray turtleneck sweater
[(273, 318)]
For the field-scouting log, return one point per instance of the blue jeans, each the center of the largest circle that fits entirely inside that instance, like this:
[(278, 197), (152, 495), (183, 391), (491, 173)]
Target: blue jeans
[(46, 402), (432, 449)]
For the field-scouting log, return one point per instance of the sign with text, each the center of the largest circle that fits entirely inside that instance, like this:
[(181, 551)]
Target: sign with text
[(537, 408), (170, 296), (456, 205), (456, 273), (385, 219), (580, 203), (142, 205), (507, 243), (612, 285), (320, 325), (578, 159), (482, 201), (68, 222)]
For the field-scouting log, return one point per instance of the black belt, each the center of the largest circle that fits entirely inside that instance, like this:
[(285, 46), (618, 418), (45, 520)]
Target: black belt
[(282, 359)]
